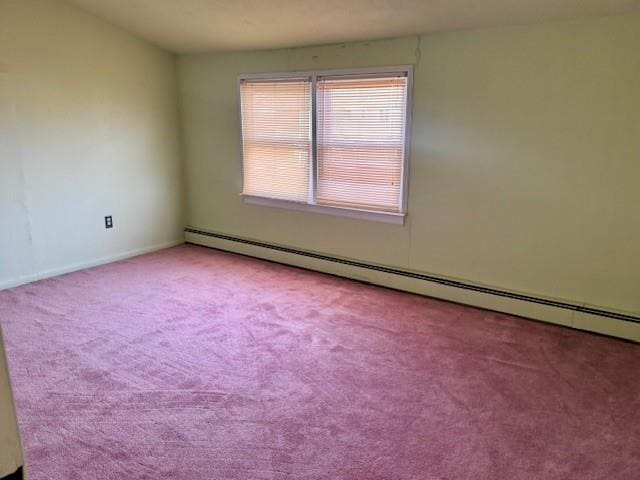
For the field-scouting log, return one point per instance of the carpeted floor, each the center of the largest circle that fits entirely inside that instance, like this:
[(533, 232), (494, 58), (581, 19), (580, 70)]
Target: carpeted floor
[(194, 364)]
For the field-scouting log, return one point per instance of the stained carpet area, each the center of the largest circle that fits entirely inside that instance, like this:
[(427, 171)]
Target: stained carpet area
[(192, 363)]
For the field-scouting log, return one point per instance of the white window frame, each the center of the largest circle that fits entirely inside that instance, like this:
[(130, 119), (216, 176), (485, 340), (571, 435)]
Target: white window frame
[(310, 205)]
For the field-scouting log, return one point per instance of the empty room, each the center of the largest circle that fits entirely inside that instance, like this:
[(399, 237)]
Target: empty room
[(302, 240)]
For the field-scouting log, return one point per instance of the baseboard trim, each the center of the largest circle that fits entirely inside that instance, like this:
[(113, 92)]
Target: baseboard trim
[(92, 263), (580, 316)]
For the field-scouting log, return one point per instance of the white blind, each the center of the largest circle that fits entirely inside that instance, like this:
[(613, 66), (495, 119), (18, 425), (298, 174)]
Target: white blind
[(276, 135), (361, 141)]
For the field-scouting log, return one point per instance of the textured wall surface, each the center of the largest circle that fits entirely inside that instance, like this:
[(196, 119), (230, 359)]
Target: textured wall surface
[(88, 128), (524, 159)]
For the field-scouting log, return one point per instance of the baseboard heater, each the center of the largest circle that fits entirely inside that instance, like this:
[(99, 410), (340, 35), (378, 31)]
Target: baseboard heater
[(427, 278)]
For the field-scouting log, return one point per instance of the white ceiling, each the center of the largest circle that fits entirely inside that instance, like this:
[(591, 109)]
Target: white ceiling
[(203, 25)]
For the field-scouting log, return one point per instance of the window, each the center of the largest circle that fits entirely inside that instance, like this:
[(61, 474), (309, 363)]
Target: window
[(332, 142), (276, 129)]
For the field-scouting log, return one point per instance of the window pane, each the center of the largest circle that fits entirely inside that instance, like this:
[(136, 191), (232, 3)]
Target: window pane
[(276, 135), (361, 141)]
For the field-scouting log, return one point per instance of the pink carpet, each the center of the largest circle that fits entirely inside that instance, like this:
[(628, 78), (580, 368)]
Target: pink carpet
[(194, 364)]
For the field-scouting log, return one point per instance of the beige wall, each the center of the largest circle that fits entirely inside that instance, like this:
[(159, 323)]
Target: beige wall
[(10, 451), (524, 164), (88, 128)]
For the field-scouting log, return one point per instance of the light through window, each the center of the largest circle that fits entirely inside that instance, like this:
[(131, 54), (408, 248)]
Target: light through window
[(276, 132), (335, 141)]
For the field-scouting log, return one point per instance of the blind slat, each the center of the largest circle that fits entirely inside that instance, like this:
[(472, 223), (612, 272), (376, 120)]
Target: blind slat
[(361, 138), (276, 138)]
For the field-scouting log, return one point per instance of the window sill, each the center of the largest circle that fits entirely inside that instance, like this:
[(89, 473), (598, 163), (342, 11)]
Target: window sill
[(371, 215)]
